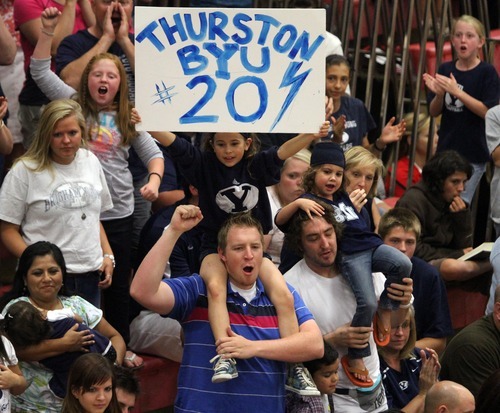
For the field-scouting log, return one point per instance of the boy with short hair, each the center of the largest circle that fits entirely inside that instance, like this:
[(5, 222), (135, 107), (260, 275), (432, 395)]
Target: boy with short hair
[(400, 228), (324, 372)]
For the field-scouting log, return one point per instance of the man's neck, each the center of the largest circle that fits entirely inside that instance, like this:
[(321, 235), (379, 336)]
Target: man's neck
[(248, 293), (327, 272)]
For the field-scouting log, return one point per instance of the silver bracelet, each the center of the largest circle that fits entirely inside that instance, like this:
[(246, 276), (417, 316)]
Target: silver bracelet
[(406, 306), (111, 257)]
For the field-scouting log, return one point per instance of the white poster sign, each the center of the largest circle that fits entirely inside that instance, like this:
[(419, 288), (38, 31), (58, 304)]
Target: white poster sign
[(233, 70)]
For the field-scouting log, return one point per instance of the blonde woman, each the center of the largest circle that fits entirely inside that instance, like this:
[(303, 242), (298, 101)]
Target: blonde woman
[(362, 171), (403, 363), (288, 189), (57, 192)]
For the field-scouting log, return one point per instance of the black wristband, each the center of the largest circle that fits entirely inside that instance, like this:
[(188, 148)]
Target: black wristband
[(154, 173), (376, 147)]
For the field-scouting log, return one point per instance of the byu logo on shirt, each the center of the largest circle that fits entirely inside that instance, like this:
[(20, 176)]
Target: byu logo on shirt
[(454, 104), (237, 198), (344, 212)]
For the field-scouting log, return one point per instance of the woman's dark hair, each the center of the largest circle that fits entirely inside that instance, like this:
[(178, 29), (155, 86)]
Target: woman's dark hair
[(89, 370), (337, 60), (329, 357), (38, 249), (24, 325), (488, 397), (441, 166)]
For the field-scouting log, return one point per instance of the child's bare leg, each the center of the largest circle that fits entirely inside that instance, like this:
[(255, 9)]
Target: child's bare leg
[(298, 380), (280, 296), (384, 323), (214, 275)]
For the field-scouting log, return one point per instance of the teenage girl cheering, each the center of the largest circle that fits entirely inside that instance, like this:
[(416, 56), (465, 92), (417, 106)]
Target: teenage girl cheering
[(462, 92)]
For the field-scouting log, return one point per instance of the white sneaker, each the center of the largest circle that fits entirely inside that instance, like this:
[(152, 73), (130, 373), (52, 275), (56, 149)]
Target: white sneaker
[(224, 369), (300, 381)]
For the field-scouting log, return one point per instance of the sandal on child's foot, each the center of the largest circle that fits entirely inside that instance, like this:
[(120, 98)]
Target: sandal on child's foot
[(350, 372), (377, 330)]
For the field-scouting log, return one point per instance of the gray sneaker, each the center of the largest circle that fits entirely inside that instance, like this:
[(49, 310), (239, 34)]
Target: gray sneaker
[(224, 369), (300, 381)]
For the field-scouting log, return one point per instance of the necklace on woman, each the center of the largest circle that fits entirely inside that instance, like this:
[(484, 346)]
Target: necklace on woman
[(74, 191), (57, 306)]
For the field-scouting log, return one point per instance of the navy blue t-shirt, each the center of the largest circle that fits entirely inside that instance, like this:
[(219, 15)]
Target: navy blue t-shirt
[(359, 121), (432, 313), (357, 235), (226, 190), (462, 130), (401, 387)]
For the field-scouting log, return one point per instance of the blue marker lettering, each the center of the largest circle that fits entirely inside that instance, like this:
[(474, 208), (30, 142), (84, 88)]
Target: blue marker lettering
[(262, 90), (286, 29), (191, 60), (265, 60), (222, 57), (217, 21), (188, 18), (238, 22), (147, 33), (267, 22), (178, 27), (302, 44)]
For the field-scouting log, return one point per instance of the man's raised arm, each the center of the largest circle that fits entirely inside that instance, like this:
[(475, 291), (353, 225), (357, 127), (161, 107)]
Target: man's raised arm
[(147, 287)]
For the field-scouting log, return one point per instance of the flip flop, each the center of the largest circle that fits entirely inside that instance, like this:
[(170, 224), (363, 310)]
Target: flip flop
[(350, 371), (386, 331), (133, 360)]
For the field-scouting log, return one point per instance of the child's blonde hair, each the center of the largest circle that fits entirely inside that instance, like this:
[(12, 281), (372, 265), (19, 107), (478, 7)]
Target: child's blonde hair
[(358, 156), (423, 123), (478, 26), (123, 105)]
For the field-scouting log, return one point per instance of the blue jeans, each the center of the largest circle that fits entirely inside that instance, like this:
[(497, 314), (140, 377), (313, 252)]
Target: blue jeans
[(357, 269), (471, 185), (85, 285)]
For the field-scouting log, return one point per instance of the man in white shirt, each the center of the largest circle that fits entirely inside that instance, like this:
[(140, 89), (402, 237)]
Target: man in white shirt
[(330, 299)]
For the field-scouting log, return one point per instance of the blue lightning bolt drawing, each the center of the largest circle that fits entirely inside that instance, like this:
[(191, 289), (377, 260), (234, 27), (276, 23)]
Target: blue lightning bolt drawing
[(163, 93), (290, 78)]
